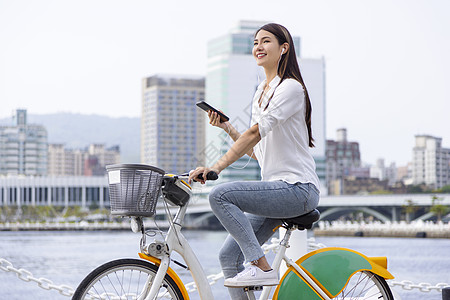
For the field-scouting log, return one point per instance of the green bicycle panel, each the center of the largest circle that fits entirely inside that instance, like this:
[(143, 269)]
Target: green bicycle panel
[(294, 288), (333, 268)]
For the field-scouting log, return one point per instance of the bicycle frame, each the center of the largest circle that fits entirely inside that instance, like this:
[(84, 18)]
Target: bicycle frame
[(321, 288), (178, 243), (280, 256)]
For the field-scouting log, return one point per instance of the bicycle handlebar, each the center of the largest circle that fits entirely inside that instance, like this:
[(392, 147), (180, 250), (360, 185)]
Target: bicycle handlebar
[(210, 176)]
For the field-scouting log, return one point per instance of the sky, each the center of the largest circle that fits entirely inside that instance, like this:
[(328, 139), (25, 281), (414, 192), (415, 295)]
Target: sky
[(387, 61)]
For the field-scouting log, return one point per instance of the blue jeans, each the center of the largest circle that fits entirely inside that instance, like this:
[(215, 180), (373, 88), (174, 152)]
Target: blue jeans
[(249, 211)]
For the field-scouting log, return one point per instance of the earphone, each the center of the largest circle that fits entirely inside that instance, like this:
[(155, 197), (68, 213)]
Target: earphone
[(281, 55), (249, 159)]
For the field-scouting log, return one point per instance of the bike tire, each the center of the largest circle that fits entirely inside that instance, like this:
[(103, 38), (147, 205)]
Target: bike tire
[(124, 279), (366, 285)]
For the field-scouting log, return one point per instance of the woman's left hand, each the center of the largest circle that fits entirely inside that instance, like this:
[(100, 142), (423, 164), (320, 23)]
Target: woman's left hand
[(193, 175)]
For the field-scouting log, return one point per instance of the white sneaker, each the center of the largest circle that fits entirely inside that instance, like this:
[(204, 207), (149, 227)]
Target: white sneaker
[(252, 276)]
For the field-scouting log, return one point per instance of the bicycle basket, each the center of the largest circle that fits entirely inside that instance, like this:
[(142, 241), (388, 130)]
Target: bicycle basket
[(134, 189)]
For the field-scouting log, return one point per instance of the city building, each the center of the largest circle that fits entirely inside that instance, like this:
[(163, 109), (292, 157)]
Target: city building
[(231, 80), (58, 161), (90, 161), (431, 162), (98, 157), (342, 156), (54, 191), (359, 172), (23, 148), (351, 185), (380, 171), (172, 126), (404, 174)]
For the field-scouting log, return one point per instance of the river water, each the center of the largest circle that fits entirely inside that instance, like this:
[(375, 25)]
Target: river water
[(65, 257)]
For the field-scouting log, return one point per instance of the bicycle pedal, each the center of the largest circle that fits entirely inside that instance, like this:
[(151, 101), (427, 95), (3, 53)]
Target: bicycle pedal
[(253, 288)]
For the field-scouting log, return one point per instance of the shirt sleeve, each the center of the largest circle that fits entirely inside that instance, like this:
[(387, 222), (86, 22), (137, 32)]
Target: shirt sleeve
[(288, 99)]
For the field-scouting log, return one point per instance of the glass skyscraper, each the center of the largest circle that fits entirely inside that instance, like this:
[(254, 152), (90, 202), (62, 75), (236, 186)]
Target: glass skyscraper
[(231, 81)]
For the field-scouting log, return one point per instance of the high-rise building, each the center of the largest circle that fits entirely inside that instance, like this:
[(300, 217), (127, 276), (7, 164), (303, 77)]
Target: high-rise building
[(23, 148), (172, 126), (58, 161), (231, 81), (342, 157), (431, 162)]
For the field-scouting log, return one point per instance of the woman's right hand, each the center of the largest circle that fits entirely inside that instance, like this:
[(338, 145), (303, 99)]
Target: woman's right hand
[(214, 120), (193, 175)]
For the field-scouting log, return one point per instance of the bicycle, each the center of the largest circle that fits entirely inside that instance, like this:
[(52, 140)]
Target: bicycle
[(327, 273)]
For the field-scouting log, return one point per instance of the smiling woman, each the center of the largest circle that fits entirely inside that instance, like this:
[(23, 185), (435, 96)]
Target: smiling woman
[(279, 138), (266, 49)]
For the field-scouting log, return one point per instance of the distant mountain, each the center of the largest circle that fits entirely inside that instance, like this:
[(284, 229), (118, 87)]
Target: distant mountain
[(78, 131)]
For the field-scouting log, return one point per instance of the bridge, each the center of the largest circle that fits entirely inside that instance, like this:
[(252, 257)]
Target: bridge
[(385, 208), (85, 191)]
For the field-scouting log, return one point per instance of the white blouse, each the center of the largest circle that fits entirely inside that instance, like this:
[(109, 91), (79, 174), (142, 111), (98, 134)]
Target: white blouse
[(283, 152)]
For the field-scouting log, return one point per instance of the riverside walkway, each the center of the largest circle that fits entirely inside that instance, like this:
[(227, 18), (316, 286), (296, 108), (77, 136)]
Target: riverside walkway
[(417, 229), (386, 208)]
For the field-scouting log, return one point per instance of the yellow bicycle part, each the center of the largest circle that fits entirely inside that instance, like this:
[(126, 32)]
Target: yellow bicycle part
[(330, 268), (170, 272), (184, 182)]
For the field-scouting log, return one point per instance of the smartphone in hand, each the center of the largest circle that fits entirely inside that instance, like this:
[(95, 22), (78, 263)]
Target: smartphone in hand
[(206, 107)]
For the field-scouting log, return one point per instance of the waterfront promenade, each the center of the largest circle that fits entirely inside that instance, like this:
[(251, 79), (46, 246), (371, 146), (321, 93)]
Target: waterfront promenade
[(419, 229), (76, 226)]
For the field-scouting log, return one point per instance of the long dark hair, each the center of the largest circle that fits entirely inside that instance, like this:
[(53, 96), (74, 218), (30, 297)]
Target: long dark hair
[(288, 67)]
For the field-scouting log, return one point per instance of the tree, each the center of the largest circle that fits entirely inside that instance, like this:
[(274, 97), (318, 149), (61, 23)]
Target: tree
[(414, 189), (445, 189), (438, 209), (409, 208)]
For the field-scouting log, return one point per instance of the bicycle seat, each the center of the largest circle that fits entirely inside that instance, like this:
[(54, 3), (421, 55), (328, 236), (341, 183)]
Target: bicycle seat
[(304, 221)]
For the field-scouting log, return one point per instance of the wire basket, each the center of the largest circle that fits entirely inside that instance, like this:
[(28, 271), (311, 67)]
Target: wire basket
[(134, 189)]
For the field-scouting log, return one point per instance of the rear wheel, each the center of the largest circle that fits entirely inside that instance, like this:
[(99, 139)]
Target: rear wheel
[(125, 279), (365, 285)]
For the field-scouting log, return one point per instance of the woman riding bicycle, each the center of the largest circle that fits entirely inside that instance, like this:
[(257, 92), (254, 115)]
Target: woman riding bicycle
[(279, 138)]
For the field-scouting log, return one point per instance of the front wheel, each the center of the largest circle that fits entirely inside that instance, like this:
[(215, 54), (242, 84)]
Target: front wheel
[(125, 279), (365, 285)]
